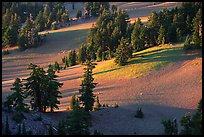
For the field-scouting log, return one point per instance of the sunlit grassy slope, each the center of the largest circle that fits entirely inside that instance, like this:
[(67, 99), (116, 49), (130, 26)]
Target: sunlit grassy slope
[(143, 61)]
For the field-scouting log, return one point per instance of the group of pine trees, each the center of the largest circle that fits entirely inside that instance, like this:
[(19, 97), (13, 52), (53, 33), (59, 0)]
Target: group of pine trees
[(22, 22), (191, 125), (41, 87), (79, 120), (112, 26)]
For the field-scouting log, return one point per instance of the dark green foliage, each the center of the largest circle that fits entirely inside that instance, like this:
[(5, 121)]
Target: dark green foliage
[(82, 54), (179, 36), (139, 113), (191, 125), (187, 44), (66, 62), (72, 102), (7, 130), (51, 93), (61, 128), (170, 127), (161, 36), (98, 105), (35, 85), (72, 58), (87, 86), (22, 41), (123, 52), (56, 67), (197, 28), (77, 123), (99, 54), (137, 36), (79, 14), (18, 117), (186, 123), (16, 99)]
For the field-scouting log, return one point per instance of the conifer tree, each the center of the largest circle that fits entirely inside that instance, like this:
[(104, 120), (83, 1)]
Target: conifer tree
[(98, 105), (82, 54), (187, 44), (72, 102), (87, 86), (99, 54), (123, 52), (16, 99), (161, 36), (197, 28), (35, 85), (51, 92)]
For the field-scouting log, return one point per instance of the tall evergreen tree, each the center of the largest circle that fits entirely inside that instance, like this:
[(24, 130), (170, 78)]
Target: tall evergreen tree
[(123, 52), (99, 54), (16, 99), (197, 27), (161, 37), (51, 92), (87, 86), (82, 54), (35, 85)]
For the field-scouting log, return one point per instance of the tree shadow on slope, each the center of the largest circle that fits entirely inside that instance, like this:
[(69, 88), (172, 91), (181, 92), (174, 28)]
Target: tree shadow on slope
[(105, 71), (165, 55)]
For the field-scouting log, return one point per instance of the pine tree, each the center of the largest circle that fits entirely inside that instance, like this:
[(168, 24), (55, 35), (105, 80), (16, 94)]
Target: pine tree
[(22, 41), (197, 28), (82, 54), (16, 99), (18, 96), (35, 85), (123, 52), (78, 122), (98, 105), (178, 34), (161, 36), (72, 102), (136, 36), (99, 54), (87, 86), (51, 93), (56, 67), (186, 123), (187, 44)]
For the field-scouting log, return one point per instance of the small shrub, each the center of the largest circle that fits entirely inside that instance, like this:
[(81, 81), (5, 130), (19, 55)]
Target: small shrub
[(139, 113), (39, 118), (115, 105), (170, 127), (187, 44), (98, 105), (18, 117)]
